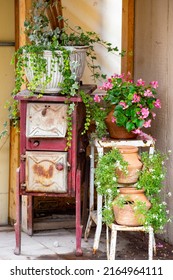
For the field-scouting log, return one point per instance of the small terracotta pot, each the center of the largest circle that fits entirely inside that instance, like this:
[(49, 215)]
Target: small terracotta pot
[(130, 154), (126, 216), (117, 132)]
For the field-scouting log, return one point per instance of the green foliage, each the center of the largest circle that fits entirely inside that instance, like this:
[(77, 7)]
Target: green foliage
[(133, 103), (151, 179), (42, 37), (106, 179)]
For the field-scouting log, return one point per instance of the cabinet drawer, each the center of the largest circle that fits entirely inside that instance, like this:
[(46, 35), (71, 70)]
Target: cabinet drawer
[(46, 120), (46, 172)]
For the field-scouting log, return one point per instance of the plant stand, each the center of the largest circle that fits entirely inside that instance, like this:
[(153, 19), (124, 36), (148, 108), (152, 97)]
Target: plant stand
[(111, 252), (95, 215), (47, 168)]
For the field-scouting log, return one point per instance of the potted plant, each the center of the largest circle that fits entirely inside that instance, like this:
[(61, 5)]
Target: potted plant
[(151, 179), (61, 44), (131, 105)]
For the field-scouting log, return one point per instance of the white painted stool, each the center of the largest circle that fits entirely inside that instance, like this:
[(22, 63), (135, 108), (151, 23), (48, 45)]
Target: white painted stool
[(95, 215), (111, 250)]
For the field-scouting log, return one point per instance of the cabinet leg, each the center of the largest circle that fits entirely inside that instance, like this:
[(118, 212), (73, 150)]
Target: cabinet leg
[(30, 215), (78, 215), (17, 225)]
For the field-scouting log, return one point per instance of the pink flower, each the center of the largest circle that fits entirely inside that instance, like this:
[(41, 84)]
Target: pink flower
[(128, 74), (106, 86), (157, 103), (136, 98), (154, 84), (148, 93), (147, 124), (140, 82), (144, 112), (124, 105), (154, 115), (113, 119), (136, 131), (97, 98)]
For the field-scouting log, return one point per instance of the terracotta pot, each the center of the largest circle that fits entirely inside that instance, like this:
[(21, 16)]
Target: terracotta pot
[(130, 154), (126, 215), (117, 132)]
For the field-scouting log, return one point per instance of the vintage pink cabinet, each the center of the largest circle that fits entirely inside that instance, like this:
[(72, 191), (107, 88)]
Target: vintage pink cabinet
[(47, 168)]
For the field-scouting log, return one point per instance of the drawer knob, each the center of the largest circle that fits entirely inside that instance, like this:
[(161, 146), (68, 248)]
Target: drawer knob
[(59, 166), (36, 143)]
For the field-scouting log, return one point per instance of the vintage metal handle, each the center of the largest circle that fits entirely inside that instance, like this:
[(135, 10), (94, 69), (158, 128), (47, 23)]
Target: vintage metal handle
[(44, 111), (59, 166)]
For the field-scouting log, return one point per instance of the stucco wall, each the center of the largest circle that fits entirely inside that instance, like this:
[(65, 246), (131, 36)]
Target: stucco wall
[(105, 18), (153, 61), (6, 86)]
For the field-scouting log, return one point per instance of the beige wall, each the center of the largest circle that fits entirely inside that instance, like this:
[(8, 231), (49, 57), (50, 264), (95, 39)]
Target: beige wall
[(6, 86), (105, 18), (154, 61)]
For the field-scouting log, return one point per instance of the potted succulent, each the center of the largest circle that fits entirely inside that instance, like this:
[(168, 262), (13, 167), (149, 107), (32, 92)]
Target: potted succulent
[(130, 105), (151, 179), (61, 44)]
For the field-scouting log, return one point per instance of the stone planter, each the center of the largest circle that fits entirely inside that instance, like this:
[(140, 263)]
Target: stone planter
[(77, 65)]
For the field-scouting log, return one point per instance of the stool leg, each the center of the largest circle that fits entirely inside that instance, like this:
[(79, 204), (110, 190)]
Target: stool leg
[(154, 245), (88, 228), (113, 243), (150, 245), (107, 242), (99, 224)]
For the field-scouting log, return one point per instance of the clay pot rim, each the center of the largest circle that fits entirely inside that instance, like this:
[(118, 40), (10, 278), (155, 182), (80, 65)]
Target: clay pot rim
[(127, 149), (129, 190)]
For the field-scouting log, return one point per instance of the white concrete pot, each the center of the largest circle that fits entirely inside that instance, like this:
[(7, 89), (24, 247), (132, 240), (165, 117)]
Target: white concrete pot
[(77, 64)]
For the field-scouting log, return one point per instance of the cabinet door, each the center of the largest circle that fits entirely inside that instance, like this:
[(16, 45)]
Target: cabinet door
[(46, 120), (46, 172)]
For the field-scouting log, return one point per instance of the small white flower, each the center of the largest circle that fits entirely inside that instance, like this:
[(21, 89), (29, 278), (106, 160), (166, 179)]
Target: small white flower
[(169, 194), (164, 203), (169, 151), (109, 191), (167, 211), (161, 227), (114, 179)]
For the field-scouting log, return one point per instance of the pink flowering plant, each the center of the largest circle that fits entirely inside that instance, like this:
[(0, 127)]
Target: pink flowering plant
[(133, 102)]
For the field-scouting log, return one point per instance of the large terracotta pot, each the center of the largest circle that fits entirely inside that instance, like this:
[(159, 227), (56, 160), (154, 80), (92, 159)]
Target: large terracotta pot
[(117, 132), (130, 154), (126, 215)]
